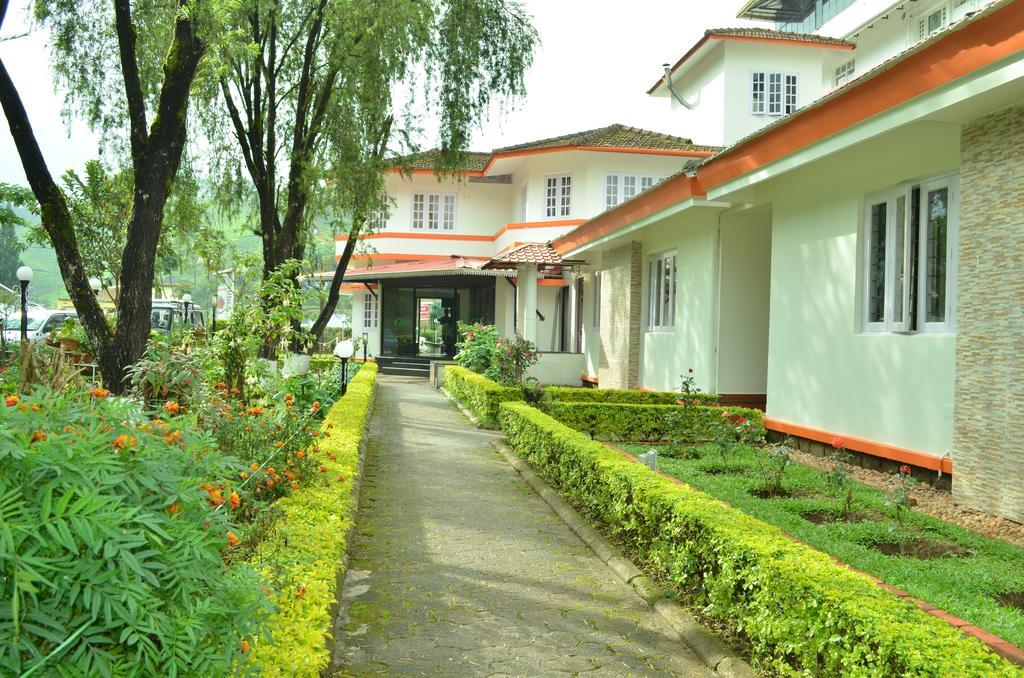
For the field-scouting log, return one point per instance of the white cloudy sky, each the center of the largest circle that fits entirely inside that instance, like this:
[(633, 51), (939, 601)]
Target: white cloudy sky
[(596, 61)]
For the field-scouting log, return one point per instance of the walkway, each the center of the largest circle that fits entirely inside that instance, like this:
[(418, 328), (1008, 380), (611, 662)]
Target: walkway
[(458, 569)]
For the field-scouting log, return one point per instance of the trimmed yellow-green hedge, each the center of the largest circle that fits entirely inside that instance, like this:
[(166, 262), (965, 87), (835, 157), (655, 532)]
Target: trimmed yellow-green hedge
[(569, 394), (304, 551), (800, 611), (645, 423), (481, 395)]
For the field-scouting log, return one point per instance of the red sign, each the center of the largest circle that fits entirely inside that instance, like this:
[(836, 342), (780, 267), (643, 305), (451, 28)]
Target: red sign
[(425, 310)]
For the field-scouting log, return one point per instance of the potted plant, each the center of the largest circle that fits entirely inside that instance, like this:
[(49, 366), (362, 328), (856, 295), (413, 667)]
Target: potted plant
[(72, 336)]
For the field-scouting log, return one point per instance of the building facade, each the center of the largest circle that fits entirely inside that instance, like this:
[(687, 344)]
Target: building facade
[(852, 263)]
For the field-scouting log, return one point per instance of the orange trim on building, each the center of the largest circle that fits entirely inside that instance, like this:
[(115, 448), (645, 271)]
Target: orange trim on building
[(653, 201), (872, 447), (419, 235), (974, 46), (397, 257)]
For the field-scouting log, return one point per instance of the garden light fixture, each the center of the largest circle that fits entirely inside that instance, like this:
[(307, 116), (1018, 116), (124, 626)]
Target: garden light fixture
[(344, 350), (24, 274)]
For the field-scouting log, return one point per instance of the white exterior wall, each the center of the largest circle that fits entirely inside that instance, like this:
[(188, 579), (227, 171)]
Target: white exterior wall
[(373, 335), (704, 89), (823, 372), (743, 58)]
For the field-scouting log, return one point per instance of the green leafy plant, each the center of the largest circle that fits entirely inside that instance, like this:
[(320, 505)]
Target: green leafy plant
[(838, 477), (113, 541), (168, 373), (772, 463), (533, 392), (476, 347), (512, 358), (899, 498)]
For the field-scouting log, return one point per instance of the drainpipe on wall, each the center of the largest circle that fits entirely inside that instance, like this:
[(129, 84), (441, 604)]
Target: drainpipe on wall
[(675, 95)]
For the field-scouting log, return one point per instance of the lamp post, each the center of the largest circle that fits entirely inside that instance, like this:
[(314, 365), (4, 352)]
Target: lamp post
[(344, 350), (366, 340), (187, 300), (213, 315), (24, 277)]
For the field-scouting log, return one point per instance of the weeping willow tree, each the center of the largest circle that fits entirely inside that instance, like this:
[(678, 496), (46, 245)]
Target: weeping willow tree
[(309, 88), (129, 68)]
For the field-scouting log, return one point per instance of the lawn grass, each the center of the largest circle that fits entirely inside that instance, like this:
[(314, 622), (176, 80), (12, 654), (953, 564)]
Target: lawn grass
[(964, 586)]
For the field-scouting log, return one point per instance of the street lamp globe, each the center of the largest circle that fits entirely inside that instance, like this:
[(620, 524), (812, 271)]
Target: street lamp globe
[(95, 285), (344, 349), (24, 274), (187, 298)]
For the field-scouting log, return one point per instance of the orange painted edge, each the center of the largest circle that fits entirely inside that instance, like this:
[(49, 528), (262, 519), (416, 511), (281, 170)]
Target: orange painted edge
[(976, 45), (652, 201), (874, 448), (420, 235), (356, 287), (551, 282), (586, 378), (711, 35), (398, 257)]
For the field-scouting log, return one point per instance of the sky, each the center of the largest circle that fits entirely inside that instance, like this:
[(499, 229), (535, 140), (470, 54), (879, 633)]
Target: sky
[(596, 61)]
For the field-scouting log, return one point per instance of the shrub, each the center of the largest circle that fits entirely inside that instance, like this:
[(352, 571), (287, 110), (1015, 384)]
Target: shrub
[(568, 394), (476, 346), (303, 556), (167, 373), (512, 357), (481, 395), (800, 611), (647, 423), (106, 532)]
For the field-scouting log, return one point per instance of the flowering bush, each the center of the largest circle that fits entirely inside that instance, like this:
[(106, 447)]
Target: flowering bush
[(115, 529), (476, 347), (167, 372), (838, 478), (512, 357)]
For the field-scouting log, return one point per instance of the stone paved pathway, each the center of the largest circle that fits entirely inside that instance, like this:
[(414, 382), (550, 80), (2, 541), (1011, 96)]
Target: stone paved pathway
[(458, 569)]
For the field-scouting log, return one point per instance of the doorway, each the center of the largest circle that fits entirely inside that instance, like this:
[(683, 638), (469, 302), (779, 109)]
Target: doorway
[(432, 319)]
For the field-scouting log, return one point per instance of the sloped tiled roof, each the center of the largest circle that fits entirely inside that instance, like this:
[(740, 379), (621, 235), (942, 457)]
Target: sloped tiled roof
[(453, 265), (429, 159), (770, 34), (615, 136), (530, 253)]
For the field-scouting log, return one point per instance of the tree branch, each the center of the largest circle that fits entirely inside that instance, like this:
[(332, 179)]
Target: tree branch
[(126, 42)]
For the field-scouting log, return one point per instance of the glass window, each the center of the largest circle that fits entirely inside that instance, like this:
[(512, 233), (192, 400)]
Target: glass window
[(757, 93), (774, 93), (433, 211), (845, 72), (661, 292), (558, 196), (909, 272), (622, 187), (597, 299), (418, 201), (369, 310), (611, 191), (789, 102)]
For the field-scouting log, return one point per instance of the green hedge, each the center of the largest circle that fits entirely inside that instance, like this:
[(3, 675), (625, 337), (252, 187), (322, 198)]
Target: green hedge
[(643, 423), (481, 395), (800, 610), (303, 555), (567, 394)]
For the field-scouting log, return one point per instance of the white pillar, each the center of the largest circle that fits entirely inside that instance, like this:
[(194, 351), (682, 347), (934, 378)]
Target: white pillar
[(528, 289)]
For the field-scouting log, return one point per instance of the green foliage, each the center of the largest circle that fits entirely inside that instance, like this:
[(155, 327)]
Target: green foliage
[(481, 395), (772, 462), (168, 373), (569, 394), (476, 346), (799, 610), (303, 556), (648, 423), (106, 532), (512, 357), (12, 197), (838, 478)]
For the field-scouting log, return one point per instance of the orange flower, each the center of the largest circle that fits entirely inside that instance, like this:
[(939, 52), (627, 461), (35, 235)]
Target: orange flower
[(279, 444), (301, 593), (254, 466), (38, 436), (341, 479), (838, 443), (122, 441), (235, 500), (245, 646), (244, 475), (172, 407), (289, 475), (271, 470), (233, 541), (216, 498), (173, 508), (324, 469), (173, 437), (316, 406), (254, 411), (295, 486), (270, 484), (12, 400), (301, 455)]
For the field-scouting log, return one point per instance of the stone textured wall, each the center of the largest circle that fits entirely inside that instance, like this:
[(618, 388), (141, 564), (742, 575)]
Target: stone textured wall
[(988, 437), (621, 270)]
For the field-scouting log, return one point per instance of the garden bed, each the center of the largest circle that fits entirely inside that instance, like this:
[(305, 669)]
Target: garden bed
[(952, 568), (796, 607)]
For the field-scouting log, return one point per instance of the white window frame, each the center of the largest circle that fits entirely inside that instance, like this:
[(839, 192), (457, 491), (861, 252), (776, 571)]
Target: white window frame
[(657, 310), (844, 72), (891, 322), (371, 310), (558, 202), (920, 25), (774, 88), (429, 211), (615, 186), (596, 317)]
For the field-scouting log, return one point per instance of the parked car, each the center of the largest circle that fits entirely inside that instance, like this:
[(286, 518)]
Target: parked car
[(167, 313), (40, 323)]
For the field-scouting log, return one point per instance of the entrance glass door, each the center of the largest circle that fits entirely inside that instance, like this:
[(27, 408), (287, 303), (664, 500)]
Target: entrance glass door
[(430, 315)]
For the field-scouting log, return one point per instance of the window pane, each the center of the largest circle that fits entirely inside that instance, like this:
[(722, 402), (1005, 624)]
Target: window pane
[(611, 191), (899, 260), (790, 102), (417, 210), (936, 207), (774, 93), (646, 182), (757, 93), (449, 212), (628, 187), (566, 201), (433, 210), (551, 197), (666, 292), (876, 264)]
